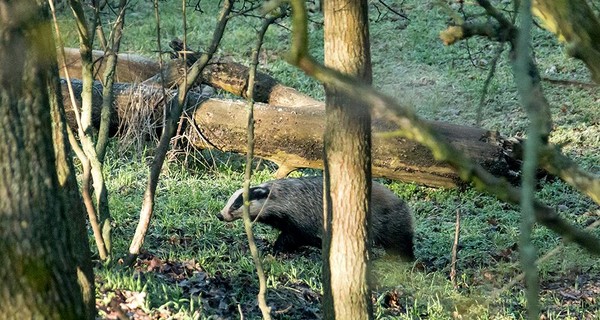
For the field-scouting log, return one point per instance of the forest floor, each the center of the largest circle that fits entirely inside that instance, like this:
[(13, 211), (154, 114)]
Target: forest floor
[(197, 267)]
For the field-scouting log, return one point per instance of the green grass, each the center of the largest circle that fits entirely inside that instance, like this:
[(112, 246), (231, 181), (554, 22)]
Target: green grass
[(441, 83), (185, 228)]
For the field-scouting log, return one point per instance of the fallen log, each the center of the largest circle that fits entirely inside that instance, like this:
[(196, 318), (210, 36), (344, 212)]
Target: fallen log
[(130, 67), (292, 136), (228, 76)]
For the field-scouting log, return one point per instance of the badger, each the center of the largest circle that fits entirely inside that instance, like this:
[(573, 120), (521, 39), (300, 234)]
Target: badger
[(295, 207)]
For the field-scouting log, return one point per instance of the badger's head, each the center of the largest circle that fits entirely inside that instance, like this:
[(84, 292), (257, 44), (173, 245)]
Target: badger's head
[(233, 210)]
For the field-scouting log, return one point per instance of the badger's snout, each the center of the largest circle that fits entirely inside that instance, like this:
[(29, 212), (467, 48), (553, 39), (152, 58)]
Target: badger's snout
[(226, 216)]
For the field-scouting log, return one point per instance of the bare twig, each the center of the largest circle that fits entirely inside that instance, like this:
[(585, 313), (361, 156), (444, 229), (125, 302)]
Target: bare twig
[(262, 297), (400, 14), (455, 249), (575, 83)]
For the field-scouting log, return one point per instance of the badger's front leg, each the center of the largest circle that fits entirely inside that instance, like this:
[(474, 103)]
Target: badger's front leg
[(286, 242)]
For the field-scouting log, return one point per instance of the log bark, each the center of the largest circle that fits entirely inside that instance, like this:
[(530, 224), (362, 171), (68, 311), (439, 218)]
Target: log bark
[(130, 67), (292, 136)]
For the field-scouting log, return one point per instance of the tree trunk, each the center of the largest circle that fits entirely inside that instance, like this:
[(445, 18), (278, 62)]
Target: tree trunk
[(229, 76), (347, 159), (37, 273)]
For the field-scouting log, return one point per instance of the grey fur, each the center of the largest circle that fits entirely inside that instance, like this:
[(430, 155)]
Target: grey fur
[(295, 207)]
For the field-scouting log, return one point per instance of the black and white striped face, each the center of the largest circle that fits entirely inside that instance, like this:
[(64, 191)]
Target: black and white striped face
[(234, 208)]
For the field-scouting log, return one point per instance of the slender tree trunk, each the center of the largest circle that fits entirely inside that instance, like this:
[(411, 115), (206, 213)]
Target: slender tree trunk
[(176, 106), (112, 50), (347, 166), (37, 273), (86, 130)]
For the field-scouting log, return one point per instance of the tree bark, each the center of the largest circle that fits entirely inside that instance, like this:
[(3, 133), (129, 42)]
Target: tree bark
[(347, 159), (37, 273)]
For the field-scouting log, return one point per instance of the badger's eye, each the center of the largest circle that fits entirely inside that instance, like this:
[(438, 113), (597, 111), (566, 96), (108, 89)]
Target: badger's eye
[(237, 203)]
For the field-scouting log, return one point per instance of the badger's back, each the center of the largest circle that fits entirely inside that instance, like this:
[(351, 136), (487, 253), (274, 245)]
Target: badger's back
[(295, 203)]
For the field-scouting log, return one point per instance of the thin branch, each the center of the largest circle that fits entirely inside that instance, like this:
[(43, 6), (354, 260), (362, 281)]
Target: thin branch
[(160, 59), (487, 83), (262, 298), (495, 13), (400, 14), (565, 82), (535, 132), (455, 250), (111, 55), (562, 166), (490, 30)]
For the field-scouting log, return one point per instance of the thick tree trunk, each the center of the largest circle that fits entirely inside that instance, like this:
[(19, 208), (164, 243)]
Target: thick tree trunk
[(292, 136), (38, 276), (347, 155)]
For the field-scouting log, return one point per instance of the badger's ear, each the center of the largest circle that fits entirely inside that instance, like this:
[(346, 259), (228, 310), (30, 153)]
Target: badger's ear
[(257, 193)]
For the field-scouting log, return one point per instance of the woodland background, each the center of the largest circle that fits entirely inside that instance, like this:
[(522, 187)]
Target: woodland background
[(194, 266)]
